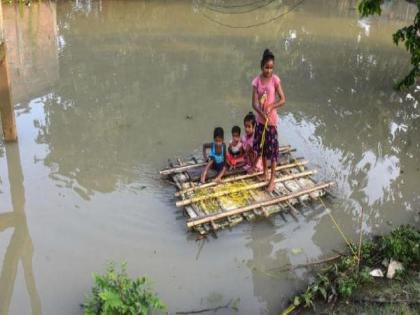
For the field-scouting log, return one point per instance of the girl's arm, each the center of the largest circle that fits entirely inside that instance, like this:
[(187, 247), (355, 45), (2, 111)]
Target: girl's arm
[(206, 146), (205, 171), (256, 103), (282, 98)]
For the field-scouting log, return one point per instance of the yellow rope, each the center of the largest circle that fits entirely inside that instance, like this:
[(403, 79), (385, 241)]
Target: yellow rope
[(339, 229), (263, 136)]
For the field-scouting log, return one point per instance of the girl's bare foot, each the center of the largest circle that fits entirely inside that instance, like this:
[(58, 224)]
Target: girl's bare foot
[(217, 180), (263, 177), (271, 186)]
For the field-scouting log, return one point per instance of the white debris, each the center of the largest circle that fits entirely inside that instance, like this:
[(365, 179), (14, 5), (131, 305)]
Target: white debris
[(377, 273), (393, 267)]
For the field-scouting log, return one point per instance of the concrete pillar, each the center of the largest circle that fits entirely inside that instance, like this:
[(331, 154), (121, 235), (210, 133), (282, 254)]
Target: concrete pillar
[(8, 120)]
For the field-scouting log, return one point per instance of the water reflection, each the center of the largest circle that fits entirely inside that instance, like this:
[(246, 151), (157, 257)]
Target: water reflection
[(31, 36), (131, 71), (111, 83), (20, 247), (264, 259)]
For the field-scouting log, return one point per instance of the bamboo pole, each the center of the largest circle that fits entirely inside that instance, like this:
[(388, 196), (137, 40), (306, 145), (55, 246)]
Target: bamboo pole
[(8, 120), (238, 177), (177, 169), (272, 201), (188, 201)]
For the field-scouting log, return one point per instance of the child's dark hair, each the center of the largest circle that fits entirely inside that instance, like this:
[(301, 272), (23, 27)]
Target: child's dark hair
[(251, 118), (266, 57), (218, 133), (236, 130)]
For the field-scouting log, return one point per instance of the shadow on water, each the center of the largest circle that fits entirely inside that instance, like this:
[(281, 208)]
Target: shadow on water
[(20, 248)]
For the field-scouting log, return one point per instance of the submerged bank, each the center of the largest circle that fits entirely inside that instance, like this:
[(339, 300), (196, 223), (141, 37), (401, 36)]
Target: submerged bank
[(378, 276)]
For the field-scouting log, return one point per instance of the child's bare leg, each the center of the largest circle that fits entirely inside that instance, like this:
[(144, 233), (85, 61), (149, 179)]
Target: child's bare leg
[(271, 184), (265, 166), (205, 171), (219, 176), (253, 157)]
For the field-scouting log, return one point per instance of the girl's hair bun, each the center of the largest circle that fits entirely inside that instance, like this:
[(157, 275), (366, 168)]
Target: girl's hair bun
[(267, 55), (250, 117)]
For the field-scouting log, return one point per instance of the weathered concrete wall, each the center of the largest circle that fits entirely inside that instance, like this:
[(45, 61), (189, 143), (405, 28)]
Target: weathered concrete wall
[(31, 37), (7, 113)]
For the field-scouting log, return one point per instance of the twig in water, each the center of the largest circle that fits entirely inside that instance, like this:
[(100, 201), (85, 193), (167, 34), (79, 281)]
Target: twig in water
[(204, 310), (383, 301), (360, 239), (307, 264)]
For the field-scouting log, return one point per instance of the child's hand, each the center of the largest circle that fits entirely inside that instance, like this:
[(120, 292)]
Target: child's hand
[(269, 109), (263, 99), (266, 115)]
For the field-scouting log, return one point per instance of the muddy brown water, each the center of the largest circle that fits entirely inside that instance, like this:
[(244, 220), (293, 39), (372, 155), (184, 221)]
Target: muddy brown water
[(107, 91)]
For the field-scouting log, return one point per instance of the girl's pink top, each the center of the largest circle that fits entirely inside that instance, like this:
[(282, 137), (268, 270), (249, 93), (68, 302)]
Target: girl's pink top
[(270, 88), (247, 142)]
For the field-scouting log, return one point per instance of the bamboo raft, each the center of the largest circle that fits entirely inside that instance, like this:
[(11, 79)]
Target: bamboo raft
[(241, 196)]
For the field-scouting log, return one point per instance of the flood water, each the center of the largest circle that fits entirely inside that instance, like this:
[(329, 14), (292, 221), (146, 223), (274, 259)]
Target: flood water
[(106, 91)]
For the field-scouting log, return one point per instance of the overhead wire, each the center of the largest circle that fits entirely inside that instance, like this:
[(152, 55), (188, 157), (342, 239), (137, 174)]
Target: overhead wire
[(224, 11), (293, 7), (232, 6)]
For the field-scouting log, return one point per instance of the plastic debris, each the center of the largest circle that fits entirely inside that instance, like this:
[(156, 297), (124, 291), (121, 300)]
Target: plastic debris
[(377, 273)]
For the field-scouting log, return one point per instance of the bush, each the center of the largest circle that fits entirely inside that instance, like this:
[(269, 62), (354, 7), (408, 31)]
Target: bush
[(403, 244), (115, 293)]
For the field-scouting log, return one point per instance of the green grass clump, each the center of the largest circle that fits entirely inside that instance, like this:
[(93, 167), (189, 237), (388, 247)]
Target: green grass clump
[(114, 293)]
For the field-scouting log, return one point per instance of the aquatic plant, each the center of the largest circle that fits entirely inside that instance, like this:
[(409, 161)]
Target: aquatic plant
[(409, 35), (115, 293)]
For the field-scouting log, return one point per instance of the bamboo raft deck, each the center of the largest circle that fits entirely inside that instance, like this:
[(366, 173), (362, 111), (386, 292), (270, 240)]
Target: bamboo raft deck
[(241, 196)]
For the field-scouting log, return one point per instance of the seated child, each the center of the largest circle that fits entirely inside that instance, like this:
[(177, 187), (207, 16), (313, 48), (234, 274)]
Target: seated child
[(217, 156), (235, 154), (247, 144)]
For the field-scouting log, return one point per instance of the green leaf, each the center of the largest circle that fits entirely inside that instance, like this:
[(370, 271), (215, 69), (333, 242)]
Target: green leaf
[(323, 292)]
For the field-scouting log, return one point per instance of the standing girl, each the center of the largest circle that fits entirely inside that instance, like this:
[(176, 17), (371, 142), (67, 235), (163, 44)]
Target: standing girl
[(267, 96)]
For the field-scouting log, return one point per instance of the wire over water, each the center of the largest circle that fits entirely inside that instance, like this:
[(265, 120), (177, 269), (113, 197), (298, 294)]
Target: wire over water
[(256, 24), (226, 10), (223, 6)]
